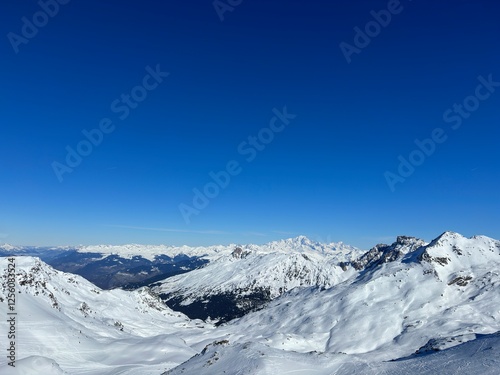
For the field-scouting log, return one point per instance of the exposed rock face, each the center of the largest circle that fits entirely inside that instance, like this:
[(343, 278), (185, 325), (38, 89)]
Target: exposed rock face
[(461, 280), (239, 253), (387, 253)]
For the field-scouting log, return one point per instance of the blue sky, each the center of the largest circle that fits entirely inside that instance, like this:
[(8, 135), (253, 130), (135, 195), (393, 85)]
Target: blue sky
[(324, 174)]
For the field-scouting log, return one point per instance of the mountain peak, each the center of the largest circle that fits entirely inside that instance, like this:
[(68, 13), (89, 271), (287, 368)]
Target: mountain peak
[(450, 234), (304, 244), (293, 243), (9, 247), (303, 240)]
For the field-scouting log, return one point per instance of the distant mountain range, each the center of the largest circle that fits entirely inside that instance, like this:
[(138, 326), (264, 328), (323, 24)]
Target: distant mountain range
[(132, 266), (110, 269)]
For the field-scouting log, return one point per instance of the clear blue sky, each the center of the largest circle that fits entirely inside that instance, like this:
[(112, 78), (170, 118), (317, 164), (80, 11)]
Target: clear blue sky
[(322, 176)]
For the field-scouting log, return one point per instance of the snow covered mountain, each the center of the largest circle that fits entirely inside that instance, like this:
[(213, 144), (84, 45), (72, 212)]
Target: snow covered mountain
[(8, 247), (408, 307), (443, 291), (67, 325), (250, 276), (300, 243), (405, 302), (110, 269)]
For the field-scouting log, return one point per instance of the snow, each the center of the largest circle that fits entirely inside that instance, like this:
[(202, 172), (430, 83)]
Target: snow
[(34, 365), (9, 247), (389, 311), (151, 251), (80, 330), (276, 272), (275, 267), (405, 298), (301, 243), (478, 357)]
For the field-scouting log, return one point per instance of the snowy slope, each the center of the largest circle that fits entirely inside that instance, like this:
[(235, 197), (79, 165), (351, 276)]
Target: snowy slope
[(478, 357), (66, 322), (446, 289), (276, 272)]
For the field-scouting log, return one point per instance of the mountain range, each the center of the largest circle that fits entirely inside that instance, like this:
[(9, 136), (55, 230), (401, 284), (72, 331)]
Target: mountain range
[(291, 306)]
